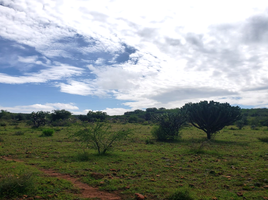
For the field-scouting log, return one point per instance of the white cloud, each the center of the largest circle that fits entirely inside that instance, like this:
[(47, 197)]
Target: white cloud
[(51, 73), (40, 107), (28, 59), (116, 111)]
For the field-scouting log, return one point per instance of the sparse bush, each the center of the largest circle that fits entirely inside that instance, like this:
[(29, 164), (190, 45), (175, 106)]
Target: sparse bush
[(182, 194), (99, 136), (15, 185), (265, 139), (253, 127), (19, 133), (3, 124), (240, 124), (149, 141), (169, 125), (61, 122), (84, 156), (47, 132)]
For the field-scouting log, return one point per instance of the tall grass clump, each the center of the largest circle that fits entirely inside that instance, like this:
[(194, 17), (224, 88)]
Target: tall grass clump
[(16, 185)]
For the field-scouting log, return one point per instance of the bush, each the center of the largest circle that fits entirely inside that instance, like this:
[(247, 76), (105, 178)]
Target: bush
[(181, 195), (15, 185), (3, 124), (61, 122), (84, 156), (19, 133), (47, 132), (169, 126), (265, 139), (99, 137)]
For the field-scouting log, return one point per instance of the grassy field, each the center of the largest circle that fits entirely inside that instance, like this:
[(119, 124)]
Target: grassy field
[(233, 165)]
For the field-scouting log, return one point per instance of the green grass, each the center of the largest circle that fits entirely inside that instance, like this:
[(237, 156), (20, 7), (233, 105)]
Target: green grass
[(233, 161)]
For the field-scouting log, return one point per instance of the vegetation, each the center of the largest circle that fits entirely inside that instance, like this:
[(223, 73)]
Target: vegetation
[(99, 136), (169, 125), (39, 118), (15, 185), (233, 165), (60, 115), (47, 132), (96, 116), (211, 116)]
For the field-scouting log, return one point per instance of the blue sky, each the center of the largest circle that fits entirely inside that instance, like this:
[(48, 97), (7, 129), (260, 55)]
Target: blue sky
[(117, 56)]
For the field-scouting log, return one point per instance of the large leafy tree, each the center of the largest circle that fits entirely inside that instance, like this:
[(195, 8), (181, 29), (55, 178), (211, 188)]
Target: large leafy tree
[(39, 118), (95, 116), (211, 116), (60, 114)]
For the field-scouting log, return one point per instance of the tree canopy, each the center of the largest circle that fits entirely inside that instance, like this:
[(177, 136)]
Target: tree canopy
[(211, 116)]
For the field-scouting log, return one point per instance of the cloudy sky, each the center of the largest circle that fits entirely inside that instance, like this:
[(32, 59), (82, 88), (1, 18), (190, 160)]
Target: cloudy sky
[(121, 55)]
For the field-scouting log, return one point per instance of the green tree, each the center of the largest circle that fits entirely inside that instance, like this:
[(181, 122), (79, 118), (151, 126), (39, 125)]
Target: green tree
[(211, 116), (133, 119), (5, 115), (169, 125), (60, 114), (39, 118), (98, 115)]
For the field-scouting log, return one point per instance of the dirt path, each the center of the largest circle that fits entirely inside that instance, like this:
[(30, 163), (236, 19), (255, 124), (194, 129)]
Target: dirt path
[(86, 190)]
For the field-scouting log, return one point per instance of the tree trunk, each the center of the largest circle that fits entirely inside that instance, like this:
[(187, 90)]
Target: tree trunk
[(208, 136)]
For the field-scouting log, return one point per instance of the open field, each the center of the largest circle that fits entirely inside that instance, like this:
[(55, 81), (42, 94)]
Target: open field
[(234, 165)]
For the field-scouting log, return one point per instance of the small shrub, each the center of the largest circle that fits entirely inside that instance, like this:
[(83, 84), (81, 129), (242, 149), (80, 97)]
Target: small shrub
[(15, 185), (265, 139), (149, 141), (47, 132), (3, 124), (181, 195), (19, 133), (85, 156)]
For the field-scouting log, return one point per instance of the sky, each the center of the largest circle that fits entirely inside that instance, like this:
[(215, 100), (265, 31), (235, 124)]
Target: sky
[(121, 55)]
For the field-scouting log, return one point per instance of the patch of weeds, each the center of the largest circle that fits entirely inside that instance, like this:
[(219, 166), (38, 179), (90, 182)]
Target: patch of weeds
[(19, 133), (1, 139), (17, 127), (264, 139), (15, 185), (47, 132), (182, 194), (85, 156)]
